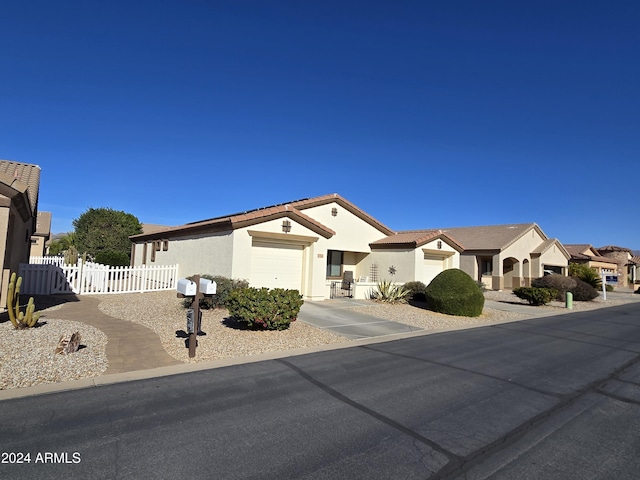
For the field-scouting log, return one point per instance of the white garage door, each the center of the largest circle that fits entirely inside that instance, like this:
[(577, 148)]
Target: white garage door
[(433, 265), (276, 265)]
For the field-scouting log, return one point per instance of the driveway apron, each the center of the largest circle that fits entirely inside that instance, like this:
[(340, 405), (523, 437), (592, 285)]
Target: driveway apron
[(338, 317)]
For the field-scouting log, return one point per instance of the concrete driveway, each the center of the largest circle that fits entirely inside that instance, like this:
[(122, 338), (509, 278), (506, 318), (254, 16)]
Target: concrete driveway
[(338, 317)]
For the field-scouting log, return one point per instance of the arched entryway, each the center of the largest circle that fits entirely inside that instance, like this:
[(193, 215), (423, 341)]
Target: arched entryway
[(511, 272)]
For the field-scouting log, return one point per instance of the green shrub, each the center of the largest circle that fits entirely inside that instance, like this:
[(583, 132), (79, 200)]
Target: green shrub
[(387, 292), (535, 295), (115, 259), (560, 283), (453, 292), (416, 290), (583, 292), (585, 273), (265, 309), (224, 287)]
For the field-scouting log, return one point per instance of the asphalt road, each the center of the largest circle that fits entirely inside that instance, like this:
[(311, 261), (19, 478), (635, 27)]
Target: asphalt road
[(547, 398)]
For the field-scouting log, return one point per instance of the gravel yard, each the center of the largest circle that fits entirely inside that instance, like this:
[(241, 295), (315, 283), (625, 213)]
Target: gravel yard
[(27, 357)]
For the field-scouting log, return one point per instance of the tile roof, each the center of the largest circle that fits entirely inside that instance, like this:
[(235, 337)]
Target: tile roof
[(292, 210), (613, 248), (240, 220), (491, 237), (416, 238), (576, 252), (27, 174)]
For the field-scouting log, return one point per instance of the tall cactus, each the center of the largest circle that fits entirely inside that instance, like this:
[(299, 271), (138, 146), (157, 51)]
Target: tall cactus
[(28, 318)]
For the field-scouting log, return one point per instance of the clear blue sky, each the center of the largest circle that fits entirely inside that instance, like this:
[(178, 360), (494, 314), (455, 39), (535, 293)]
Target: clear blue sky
[(424, 114)]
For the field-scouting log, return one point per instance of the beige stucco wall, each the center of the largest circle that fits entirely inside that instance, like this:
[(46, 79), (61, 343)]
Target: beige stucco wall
[(198, 254), (15, 244), (554, 256)]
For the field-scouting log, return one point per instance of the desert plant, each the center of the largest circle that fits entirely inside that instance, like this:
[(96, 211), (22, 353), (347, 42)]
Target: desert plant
[(71, 255), (535, 295), (454, 292), (388, 292), (416, 290), (20, 320), (265, 309), (585, 273)]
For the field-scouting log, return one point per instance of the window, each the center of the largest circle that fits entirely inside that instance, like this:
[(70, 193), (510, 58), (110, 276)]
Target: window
[(334, 263)]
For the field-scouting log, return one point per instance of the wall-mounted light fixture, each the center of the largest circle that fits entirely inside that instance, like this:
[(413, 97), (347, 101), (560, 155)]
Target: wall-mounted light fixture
[(286, 226), (334, 212), (439, 244)]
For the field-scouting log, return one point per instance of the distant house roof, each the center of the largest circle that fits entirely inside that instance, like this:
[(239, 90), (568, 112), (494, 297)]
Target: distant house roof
[(148, 228), (613, 248), (293, 210), (491, 237), (43, 224), (415, 238), (577, 252)]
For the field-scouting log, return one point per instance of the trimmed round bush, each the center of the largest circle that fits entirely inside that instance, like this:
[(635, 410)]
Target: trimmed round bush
[(114, 259), (454, 292), (583, 292), (557, 282)]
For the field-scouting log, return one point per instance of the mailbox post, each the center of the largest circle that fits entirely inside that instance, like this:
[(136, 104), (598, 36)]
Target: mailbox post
[(195, 289)]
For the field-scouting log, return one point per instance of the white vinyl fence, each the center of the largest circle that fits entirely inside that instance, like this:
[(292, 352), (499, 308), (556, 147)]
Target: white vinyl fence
[(49, 275)]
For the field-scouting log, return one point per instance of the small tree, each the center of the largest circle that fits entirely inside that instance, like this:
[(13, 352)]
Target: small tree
[(585, 273), (101, 231)]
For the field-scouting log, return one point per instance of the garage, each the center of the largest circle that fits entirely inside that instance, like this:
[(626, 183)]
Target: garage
[(276, 265), (433, 265)]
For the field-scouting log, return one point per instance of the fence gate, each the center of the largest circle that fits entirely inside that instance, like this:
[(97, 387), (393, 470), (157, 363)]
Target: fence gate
[(49, 277)]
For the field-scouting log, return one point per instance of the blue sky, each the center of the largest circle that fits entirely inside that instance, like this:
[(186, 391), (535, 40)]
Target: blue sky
[(424, 114)]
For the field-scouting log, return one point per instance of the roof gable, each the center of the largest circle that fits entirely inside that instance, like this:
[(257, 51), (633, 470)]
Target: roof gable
[(491, 237), (293, 210), (415, 239)]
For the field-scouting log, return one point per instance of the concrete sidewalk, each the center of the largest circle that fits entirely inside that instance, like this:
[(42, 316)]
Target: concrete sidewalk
[(130, 346)]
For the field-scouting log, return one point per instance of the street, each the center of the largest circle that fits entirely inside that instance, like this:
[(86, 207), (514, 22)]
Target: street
[(546, 398)]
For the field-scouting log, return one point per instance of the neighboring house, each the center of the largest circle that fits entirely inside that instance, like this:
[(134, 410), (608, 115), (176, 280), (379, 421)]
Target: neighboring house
[(19, 184), (41, 236), (624, 259), (305, 245), (509, 256), (634, 270), (585, 254)]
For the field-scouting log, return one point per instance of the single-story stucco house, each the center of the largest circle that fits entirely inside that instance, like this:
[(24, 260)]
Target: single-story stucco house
[(585, 254), (626, 263), (509, 256), (310, 245)]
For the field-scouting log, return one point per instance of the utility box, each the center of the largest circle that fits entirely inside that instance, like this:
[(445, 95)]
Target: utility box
[(188, 288)]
